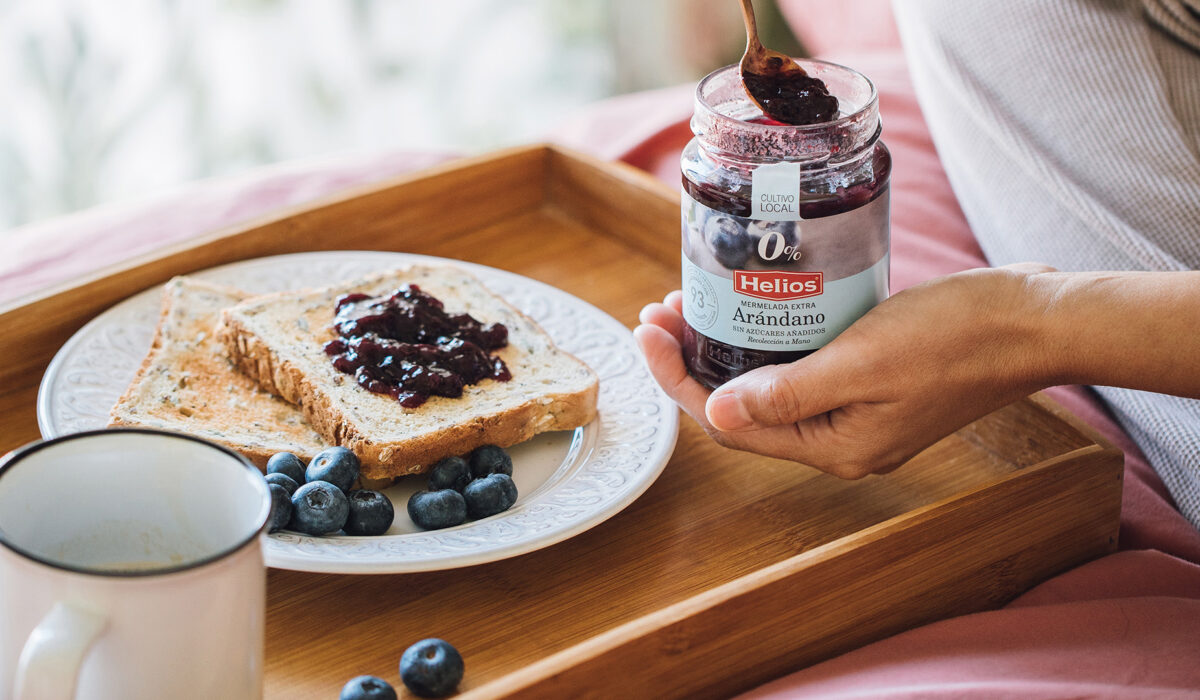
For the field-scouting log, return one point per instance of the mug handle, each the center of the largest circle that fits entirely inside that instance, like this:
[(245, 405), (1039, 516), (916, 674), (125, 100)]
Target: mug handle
[(49, 663)]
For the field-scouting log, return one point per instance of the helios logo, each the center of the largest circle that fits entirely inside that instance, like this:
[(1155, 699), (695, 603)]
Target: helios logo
[(778, 286)]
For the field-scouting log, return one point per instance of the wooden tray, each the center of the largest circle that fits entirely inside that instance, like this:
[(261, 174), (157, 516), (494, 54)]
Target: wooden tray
[(731, 570)]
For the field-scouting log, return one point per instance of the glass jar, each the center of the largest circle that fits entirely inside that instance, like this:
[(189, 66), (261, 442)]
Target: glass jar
[(785, 228)]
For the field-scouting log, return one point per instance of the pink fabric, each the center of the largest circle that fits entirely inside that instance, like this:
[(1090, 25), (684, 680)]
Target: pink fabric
[(844, 26), (1124, 626), (61, 250), (1121, 627)]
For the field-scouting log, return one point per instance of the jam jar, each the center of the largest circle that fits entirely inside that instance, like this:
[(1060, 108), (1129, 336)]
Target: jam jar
[(785, 227)]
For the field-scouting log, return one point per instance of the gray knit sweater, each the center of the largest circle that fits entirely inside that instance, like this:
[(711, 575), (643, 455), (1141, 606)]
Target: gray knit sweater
[(1070, 131)]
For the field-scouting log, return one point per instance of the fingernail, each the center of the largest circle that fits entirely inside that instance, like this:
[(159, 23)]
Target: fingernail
[(727, 412)]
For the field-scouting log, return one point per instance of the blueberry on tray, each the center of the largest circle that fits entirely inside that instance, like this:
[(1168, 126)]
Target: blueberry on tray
[(367, 688), (431, 668)]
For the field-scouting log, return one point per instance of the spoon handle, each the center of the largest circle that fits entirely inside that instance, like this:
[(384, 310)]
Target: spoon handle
[(752, 42)]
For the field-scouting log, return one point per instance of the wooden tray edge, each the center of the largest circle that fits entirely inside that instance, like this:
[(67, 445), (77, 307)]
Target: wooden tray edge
[(274, 216), (591, 190), (1062, 413), (1088, 477)]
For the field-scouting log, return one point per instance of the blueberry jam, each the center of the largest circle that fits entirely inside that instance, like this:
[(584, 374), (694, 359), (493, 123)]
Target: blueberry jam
[(713, 362), (792, 97), (406, 346), (745, 263)]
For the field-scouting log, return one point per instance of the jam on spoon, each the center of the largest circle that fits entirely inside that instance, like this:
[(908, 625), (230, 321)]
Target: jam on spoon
[(406, 346), (783, 90)]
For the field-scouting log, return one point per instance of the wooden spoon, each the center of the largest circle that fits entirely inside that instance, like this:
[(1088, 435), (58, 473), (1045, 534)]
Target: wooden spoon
[(778, 85)]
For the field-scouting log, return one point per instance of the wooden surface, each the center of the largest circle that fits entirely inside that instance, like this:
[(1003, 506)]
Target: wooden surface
[(730, 570)]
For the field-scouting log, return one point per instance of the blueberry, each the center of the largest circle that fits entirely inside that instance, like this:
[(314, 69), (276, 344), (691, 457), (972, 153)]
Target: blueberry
[(490, 459), (283, 480), (371, 513), (494, 493), (286, 463), (431, 668), (728, 241), (281, 507), (367, 688), (450, 473), (319, 508), (434, 510), (337, 465)]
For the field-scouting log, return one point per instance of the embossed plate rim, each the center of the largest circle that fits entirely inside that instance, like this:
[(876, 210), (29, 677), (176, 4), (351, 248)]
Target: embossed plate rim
[(585, 457)]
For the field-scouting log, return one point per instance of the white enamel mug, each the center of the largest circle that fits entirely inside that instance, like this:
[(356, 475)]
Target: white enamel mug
[(131, 567)]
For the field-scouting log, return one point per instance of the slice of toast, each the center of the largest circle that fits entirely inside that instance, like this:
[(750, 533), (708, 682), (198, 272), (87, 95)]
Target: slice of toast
[(279, 340), (187, 384)]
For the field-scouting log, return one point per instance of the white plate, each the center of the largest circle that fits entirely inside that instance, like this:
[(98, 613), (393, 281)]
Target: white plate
[(568, 481)]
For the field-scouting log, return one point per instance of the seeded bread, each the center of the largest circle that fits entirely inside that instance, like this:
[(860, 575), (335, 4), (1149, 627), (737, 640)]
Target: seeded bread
[(187, 384), (278, 340)]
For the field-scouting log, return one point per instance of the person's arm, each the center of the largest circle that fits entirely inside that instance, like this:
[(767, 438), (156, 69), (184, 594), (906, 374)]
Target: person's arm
[(935, 357), (1138, 330)]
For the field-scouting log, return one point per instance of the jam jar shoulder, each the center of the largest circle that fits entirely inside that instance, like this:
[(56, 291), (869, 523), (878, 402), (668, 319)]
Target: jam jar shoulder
[(824, 192)]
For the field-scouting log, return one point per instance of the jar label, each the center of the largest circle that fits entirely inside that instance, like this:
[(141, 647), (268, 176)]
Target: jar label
[(775, 192), (782, 285)]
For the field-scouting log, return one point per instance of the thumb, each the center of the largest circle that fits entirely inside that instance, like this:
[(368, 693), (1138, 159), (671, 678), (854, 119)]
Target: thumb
[(776, 395), (1029, 267)]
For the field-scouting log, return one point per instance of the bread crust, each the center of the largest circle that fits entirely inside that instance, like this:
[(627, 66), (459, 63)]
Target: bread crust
[(115, 419), (384, 459)]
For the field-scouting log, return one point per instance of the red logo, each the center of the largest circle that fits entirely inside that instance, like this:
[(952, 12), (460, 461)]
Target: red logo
[(778, 286)]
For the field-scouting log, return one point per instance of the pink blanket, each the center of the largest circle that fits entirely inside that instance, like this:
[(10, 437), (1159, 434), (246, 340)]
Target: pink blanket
[(1125, 626)]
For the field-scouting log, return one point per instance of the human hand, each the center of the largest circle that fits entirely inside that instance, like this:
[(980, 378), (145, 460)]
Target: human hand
[(917, 367)]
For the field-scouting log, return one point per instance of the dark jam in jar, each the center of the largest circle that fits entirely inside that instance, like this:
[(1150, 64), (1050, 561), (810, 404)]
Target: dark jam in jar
[(406, 346), (785, 227), (792, 97)]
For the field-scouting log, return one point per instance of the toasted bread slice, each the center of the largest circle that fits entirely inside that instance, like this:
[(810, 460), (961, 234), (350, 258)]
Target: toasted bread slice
[(279, 339), (187, 384)]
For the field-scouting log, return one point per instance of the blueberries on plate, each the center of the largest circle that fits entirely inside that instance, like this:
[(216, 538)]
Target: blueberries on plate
[(434, 510), (281, 508), (318, 508), (283, 480), (367, 688), (321, 502), (728, 241), (431, 668), (286, 463), (490, 459), (494, 493), (371, 513), (337, 465), (317, 500), (450, 473)]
